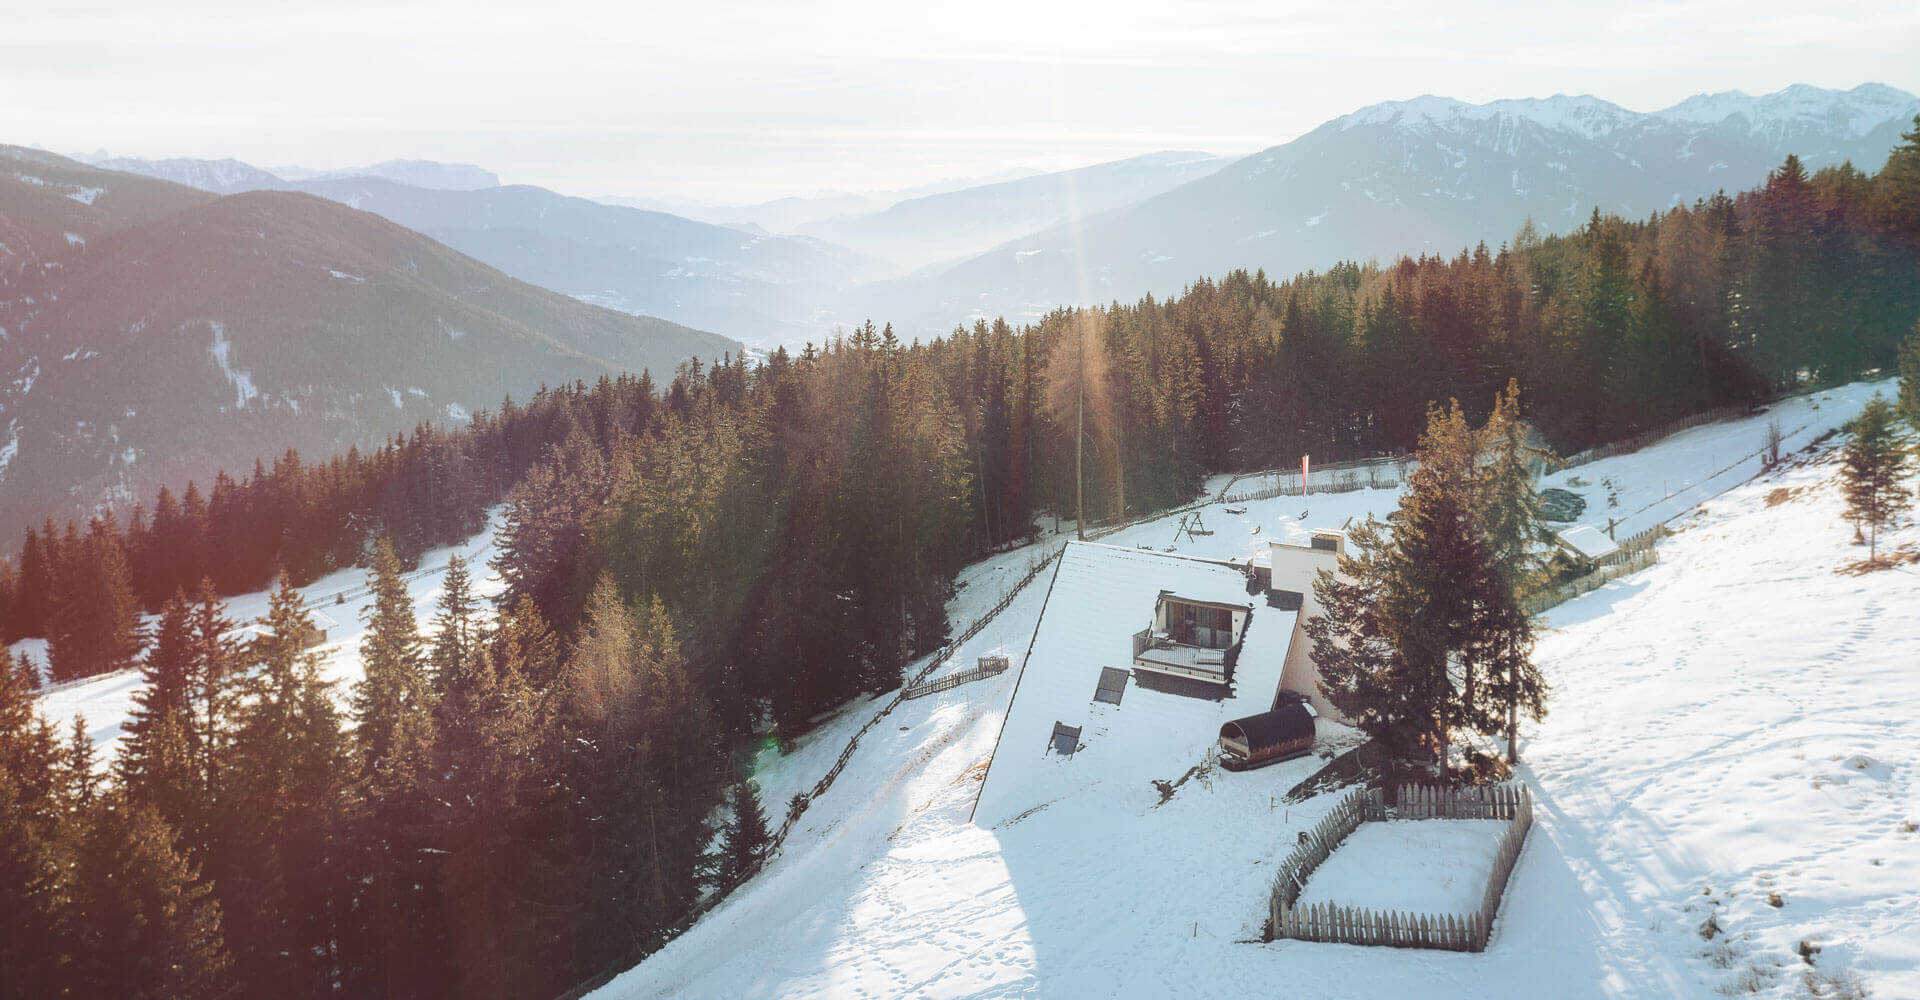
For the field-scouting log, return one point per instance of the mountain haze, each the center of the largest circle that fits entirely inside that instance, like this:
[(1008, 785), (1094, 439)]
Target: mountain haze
[(926, 230), (1428, 175), (232, 328)]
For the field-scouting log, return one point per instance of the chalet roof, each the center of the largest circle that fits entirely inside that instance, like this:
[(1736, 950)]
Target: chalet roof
[(1099, 597)]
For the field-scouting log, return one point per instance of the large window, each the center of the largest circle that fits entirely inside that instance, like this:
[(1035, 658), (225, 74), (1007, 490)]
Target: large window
[(1113, 684), (1201, 626)]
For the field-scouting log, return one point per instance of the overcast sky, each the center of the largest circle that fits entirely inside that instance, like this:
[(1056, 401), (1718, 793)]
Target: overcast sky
[(725, 101)]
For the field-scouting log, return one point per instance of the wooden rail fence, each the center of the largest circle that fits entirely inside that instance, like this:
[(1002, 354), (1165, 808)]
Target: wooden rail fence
[(1391, 928), (990, 666)]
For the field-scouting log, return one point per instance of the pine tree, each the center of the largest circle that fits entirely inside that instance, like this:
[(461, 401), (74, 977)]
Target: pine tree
[(158, 764), (36, 846), (642, 770), (1423, 631), (745, 842), (1908, 404), (283, 877), (83, 778), (1871, 472), (144, 925), (34, 586), (392, 702), (454, 624), (95, 625), (1508, 513), (397, 924), (213, 691), (491, 780)]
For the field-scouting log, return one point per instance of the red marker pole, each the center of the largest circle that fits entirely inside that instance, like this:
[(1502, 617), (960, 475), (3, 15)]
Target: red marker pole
[(1303, 475)]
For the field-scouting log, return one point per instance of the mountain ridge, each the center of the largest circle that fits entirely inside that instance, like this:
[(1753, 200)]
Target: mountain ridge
[(1426, 175), (236, 327)]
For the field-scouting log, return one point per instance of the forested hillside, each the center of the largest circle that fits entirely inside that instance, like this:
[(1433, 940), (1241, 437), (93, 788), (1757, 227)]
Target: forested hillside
[(155, 333), (522, 803)]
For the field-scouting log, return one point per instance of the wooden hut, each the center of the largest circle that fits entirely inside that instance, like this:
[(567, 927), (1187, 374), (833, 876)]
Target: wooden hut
[(1259, 740)]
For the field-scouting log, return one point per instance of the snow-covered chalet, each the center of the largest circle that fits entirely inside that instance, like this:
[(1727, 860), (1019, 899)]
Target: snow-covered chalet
[(1139, 660)]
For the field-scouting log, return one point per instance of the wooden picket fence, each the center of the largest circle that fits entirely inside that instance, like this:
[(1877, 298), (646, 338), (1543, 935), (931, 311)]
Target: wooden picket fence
[(1612, 568), (1391, 928)]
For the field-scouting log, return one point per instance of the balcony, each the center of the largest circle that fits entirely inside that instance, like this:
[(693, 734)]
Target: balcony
[(1160, 653)]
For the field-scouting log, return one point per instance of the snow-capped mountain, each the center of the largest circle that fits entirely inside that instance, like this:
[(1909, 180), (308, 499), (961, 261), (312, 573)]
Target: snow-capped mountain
[(218, 176), (1431, 174)]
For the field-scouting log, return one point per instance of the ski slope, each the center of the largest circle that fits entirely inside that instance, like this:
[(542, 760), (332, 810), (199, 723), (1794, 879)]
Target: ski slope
[(1740, 719)]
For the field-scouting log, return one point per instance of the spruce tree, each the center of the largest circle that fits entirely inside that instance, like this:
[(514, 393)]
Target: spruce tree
[(1509, 514), (144, 925), (745, 842), (397, 924), (283, 875), (642, 770), (158, 764), (1873, 466), (392, 702), (37, 841), (95, 618), (1908, 404), (454, 624), (1423, 631), (83, 779)]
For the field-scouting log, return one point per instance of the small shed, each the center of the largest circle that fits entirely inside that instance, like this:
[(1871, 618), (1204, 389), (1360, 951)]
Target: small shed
[(1586, 545), (1267, 738)]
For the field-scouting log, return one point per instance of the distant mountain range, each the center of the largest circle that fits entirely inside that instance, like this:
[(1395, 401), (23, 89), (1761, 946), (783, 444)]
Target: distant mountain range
[(1426, 175), (758, 287), (232, 176), (942, 227), (151, 332), (788, 214)]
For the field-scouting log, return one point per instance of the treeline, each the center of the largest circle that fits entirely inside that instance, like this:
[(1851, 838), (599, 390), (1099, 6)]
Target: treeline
[(1620, 326), (495, 814)]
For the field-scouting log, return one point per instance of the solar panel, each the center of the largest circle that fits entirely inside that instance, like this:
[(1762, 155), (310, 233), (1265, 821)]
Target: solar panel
[(1066, 739), (1113, 684)]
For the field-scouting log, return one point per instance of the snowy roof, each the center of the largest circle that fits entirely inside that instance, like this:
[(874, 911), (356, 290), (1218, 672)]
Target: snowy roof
[(1589, 541), (1100, 596)]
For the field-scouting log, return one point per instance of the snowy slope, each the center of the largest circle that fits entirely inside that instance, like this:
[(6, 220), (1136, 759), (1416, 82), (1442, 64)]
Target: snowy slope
[(106, 701), (1723, 727)]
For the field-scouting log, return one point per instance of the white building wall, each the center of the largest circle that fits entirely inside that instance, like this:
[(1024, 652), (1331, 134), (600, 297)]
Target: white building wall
[(1295, 568)]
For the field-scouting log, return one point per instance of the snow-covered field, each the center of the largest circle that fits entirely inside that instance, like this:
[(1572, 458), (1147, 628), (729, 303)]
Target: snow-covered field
[(106, 701), (1738, 720), (1437, 866)]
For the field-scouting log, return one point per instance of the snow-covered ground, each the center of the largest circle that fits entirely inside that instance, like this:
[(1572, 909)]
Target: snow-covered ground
[(1438, 866), (1738, 720), (343, 596)]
